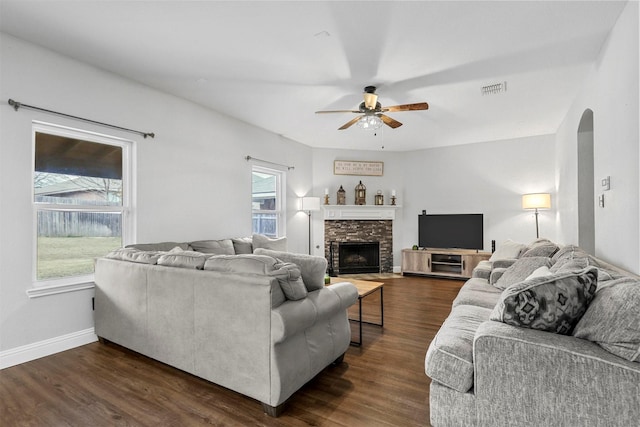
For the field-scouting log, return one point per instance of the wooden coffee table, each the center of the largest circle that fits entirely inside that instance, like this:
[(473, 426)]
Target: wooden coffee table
[(364, 288)]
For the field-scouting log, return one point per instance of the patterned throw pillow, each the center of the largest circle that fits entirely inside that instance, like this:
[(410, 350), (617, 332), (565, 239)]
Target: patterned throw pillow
[(553, 303)]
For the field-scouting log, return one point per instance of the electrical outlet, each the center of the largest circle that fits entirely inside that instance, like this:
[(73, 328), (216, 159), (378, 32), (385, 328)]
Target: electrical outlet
[(601, 200)]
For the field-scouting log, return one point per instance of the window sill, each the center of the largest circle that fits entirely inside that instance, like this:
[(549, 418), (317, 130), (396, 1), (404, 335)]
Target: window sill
[(43, 291)]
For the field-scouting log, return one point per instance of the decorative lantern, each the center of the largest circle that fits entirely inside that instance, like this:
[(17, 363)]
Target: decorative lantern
[(379, 198), (361, 194), (342, 196)]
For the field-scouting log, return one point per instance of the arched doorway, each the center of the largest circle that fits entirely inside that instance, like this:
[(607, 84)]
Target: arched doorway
[(586, 184)]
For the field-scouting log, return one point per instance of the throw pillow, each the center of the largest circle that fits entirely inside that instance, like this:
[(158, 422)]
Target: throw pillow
[(254, 264), (543, 248), (570, 252), (612, 320), (261, 241), (242, 245), (183, 259), (507, 250), (568, 264), (539, 272), (520, 270), (312, 268), (290, 280), (134, 255), (552, 303), (162, 246), (216, 247)]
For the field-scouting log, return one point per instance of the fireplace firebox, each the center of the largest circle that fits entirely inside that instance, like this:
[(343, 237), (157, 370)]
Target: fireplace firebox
[(358, 257)]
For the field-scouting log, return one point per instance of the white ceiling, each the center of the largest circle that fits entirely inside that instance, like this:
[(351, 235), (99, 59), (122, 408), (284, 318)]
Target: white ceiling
[(273, 64)]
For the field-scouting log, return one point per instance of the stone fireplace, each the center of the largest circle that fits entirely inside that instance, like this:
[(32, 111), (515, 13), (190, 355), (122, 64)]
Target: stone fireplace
[(341, 235)]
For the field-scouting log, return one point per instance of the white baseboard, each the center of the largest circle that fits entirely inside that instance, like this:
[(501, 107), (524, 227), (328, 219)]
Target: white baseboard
[(26, 353)]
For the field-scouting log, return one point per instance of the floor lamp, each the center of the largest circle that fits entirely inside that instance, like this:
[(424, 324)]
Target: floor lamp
[(536, 201), (310, 204)]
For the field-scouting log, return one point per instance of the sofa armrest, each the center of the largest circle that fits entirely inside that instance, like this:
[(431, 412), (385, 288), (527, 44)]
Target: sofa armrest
[(293, 317), (529, 377)]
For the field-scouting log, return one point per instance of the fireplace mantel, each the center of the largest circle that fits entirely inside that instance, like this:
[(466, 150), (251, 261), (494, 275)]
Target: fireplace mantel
[(359, 212)]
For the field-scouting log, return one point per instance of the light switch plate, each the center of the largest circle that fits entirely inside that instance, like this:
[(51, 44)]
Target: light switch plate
[(601, 200), (606, 183)]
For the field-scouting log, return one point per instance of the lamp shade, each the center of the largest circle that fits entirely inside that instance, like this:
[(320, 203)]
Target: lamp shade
[(536, 201), (310, 203)]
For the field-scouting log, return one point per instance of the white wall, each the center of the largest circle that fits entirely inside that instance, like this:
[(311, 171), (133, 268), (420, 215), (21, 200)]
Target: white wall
[(192, 179), (611, 91), (487, 178)]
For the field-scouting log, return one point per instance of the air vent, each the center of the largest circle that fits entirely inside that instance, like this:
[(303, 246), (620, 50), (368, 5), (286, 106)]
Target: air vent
[(494, 89)]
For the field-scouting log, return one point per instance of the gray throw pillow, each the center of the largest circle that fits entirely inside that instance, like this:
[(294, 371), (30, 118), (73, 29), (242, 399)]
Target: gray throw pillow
[(508, 250), (545, 248), (276, 244), (243, 245), (290, 280), (183, 259), (162, 246), (134, 255), (613, 319), (312, 268), (553, 303), (520, 269), (254, 264), (216, 247)]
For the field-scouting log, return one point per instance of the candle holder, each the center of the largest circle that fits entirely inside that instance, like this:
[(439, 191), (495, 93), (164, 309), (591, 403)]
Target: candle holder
[(326, 199), (393, 200), (378, 198)]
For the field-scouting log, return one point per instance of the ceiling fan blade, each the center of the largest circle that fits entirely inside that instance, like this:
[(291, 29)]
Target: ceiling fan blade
[(392, 123), (337, 111), (408, 107), (349, 123)]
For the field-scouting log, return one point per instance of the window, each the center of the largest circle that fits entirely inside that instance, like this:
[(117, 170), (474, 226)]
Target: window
[(267, 201), (82, 201)]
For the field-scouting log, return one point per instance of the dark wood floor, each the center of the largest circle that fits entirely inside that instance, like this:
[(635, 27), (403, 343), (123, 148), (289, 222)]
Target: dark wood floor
[(381, 383)]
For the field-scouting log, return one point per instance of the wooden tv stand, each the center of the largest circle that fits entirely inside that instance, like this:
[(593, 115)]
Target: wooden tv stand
[(452, 263)]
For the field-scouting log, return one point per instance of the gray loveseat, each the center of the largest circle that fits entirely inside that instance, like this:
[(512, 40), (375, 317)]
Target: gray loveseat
[(540, 336), (249, 322)]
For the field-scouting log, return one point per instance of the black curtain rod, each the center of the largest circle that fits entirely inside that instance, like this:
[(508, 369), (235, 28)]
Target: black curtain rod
[(249, 158), (16, 105)]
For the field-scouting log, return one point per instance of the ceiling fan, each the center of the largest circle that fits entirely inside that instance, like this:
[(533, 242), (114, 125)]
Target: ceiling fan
[(372, 111)]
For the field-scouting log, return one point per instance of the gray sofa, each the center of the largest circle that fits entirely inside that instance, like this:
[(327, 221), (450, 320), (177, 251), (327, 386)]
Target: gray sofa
[(539, 337), (249, 322)]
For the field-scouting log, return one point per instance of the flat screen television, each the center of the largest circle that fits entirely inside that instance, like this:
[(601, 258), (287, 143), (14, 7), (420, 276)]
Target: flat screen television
[(451, 231)]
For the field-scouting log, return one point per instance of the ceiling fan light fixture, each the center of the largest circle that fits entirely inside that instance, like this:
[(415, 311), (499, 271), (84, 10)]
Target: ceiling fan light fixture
[(370, 122)]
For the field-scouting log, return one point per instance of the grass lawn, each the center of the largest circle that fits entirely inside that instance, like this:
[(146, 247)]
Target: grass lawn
[(71, 256)]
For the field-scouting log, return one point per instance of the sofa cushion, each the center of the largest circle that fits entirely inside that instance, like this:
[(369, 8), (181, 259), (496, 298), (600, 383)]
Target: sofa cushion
[(553, 303), (134, 255), (313, 268), (482, 270), (496, 274), (242, 245), (216, 247), (520, 269), (265, 242), (288, 275), (508, 250), (449, 359), (162, 246), (183, 259), (478, 292), (613, 319), (252, 264)]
